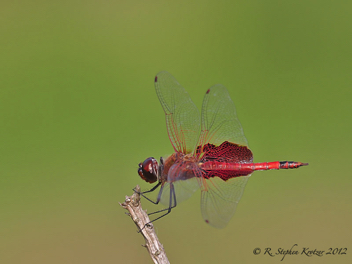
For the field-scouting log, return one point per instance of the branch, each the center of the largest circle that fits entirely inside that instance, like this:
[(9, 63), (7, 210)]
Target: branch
[(141, 219)]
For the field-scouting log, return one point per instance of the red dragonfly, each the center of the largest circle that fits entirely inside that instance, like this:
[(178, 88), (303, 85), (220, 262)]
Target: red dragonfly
[(211, 153)]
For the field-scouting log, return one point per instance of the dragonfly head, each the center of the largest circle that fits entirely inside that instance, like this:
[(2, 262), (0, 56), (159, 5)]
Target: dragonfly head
[(148, 170)]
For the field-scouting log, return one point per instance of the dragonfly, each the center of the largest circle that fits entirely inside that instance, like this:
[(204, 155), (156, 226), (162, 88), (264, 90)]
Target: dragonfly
[(211, 153)]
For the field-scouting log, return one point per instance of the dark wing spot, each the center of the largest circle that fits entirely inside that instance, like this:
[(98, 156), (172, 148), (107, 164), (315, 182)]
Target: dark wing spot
[(208, 91), (156, 79)]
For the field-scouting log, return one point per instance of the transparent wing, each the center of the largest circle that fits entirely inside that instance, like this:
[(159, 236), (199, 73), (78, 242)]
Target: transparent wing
[(220, 125), (219, 122), (182, 116), (184, 181), (219, 199), (183, 191)]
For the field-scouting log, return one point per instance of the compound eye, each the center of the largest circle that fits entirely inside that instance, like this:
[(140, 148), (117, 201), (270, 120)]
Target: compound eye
[(148, 170)]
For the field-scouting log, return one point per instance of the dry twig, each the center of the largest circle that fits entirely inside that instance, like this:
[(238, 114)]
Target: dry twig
[(141, 219)]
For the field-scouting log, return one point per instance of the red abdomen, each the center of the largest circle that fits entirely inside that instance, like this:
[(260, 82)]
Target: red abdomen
[(230, 160), (225, 170), (228, 170)]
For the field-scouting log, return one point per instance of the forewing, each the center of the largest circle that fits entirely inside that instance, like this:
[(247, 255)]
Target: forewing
[(219, 199), (182, 116), (219, 122)]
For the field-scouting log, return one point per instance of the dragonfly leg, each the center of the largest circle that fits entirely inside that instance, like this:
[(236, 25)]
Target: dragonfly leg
[(172, 204), (151, 190)]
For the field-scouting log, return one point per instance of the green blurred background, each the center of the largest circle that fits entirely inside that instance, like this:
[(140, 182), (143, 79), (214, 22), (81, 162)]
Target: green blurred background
[(79, 112)]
